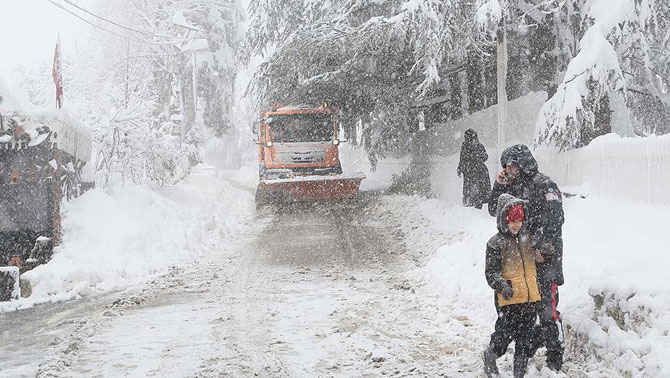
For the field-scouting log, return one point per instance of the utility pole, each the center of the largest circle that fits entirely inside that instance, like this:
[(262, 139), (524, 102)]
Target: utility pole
[(501, 65)]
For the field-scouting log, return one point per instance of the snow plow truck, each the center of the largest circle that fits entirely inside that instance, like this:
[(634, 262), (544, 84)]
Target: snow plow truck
[(298, 157)]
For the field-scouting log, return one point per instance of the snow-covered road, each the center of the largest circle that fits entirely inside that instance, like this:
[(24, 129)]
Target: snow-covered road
[(386, 286), (302, 291)]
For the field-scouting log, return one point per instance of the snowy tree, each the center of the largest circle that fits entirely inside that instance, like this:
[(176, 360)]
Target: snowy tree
[(159, 85), (372, 59), (602, 63), (615, 55)]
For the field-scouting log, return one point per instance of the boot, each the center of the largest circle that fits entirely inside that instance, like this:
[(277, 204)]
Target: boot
[(490, 366), (537, 341), (520, 365), (554, 360)]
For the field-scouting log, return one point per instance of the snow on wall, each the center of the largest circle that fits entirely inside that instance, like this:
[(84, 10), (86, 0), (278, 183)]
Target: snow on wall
[(521, 118), (636, 169)]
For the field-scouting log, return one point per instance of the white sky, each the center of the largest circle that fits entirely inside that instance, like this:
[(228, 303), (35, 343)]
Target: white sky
[(29, 30)]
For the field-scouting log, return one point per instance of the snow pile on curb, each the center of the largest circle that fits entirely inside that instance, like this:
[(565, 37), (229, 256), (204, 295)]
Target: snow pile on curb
[(113, 241), (616, 300), (626, 328)]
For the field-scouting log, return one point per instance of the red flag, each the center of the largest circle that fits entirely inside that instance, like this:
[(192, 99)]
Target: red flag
[(56, 75)]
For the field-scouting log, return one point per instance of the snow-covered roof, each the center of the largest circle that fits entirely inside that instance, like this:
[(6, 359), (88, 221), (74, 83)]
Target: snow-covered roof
[(70, 135), (66, 132)]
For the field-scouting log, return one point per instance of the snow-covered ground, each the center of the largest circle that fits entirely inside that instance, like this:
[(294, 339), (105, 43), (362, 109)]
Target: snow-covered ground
[(205, 285), (114, 241), (615, 301)]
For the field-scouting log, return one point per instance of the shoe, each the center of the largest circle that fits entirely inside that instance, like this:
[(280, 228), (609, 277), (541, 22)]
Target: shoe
[(554, 361), (554, 365), (537, 342), (490, 366), (520, 365)]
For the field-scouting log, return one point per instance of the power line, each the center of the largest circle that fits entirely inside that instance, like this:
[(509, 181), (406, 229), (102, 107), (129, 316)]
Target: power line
[(114, 23), (110, 31)]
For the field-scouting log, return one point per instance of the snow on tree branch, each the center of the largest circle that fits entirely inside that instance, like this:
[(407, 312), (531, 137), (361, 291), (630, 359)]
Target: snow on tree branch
[(595, 72)]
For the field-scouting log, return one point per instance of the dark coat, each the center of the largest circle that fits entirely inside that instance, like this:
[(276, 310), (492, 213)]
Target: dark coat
[(472, 165), (545, 208), (510, 260)]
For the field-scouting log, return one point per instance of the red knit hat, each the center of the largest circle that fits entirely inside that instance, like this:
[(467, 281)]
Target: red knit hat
[(514, 213)]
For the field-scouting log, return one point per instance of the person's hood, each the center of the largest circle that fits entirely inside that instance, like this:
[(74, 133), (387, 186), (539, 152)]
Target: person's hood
[(519, 155), (471, 136), (505, 201)]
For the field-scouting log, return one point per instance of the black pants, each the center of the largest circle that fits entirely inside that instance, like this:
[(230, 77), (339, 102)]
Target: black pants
[(515, 323), (550, 330)]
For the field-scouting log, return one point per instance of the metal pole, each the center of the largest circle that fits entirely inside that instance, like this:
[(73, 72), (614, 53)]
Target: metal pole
[(57, 195), (501, 82), (195, 87)]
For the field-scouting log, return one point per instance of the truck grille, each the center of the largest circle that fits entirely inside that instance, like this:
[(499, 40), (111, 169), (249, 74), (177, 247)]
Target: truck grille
[(307, 157)]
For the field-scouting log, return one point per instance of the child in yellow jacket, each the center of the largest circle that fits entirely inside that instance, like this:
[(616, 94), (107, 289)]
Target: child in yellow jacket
[(510, 271)]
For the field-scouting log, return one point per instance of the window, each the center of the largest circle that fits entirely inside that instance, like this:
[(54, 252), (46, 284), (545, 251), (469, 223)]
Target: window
[(301, 128)]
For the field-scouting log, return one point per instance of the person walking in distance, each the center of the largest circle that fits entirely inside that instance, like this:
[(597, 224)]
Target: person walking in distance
[(472, 165), (520, 177), (510, 271)]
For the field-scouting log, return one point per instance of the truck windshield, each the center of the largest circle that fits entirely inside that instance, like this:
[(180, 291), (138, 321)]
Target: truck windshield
[(302, 128)]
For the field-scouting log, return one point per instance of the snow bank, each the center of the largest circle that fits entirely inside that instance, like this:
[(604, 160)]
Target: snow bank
[(355, 159), (615, 303), (635, 169), (616, 300), (113, 241)]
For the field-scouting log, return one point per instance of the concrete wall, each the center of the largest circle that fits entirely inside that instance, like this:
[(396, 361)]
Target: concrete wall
[(446, 138)]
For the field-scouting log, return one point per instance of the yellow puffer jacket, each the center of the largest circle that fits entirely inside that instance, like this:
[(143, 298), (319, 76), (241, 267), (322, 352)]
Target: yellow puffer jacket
[(510, 260)]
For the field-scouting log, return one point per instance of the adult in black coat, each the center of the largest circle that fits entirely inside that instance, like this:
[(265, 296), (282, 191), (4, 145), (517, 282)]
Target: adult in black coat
[(472, 165), (520, 177)]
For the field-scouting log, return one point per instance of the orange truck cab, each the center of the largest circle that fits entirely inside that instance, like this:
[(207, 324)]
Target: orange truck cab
[(298, 155)]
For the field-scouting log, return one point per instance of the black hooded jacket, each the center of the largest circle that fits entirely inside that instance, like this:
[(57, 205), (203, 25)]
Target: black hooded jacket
[(472, 164), (545, 207)]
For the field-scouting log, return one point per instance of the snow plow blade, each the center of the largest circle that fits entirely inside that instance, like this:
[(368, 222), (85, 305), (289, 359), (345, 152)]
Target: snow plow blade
[(309, 188)]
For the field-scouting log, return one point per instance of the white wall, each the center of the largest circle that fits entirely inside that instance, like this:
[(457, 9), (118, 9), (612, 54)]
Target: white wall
[(521, 118), (636, 169)]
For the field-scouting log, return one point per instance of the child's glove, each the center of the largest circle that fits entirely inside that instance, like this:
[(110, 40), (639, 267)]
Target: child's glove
[(547, 250), (507, 292)]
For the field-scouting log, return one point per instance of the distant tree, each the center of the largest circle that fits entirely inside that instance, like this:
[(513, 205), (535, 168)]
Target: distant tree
[(149, 117), (603, 62), (372, 59)]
